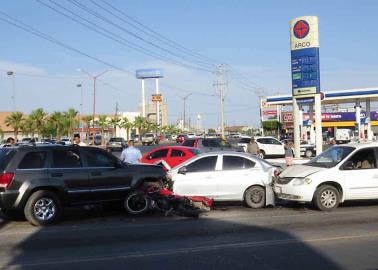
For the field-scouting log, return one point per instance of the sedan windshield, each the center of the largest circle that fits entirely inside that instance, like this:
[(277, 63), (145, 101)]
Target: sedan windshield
[(331, 157)]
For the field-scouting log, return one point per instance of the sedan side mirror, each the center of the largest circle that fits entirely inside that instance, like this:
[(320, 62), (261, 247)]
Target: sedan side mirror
[(183, 170)]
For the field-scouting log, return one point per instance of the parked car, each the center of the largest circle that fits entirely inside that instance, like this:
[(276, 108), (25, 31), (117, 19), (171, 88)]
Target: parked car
[(39, 180), (270, 146), (308, 150), (341, 173), (66, 141), (150, 138), (181, 138), (243, 143), (172, 155), (135, 138), (116, 144), (173, 137), (210, 145), (226, 176), (191, 135), (27, 141), (97, 139)]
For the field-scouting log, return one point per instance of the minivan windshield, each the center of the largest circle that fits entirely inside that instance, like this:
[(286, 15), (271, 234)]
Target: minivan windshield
[(331, 157)]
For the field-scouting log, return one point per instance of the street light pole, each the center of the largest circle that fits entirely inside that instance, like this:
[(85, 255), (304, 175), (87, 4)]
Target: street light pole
[(11, 73), (81, 108), (94, 78)]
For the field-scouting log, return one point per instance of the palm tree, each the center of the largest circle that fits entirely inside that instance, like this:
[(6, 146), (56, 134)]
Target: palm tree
[(1, 134), (140, 124), (56, 119), (71, 116), (38, 117), (87, 120), (15, 121), (126, 124), (115, 122), (102, 122), (27, 127)]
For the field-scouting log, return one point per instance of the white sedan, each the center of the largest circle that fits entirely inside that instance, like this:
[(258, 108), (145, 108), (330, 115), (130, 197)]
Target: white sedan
[(226, 176)]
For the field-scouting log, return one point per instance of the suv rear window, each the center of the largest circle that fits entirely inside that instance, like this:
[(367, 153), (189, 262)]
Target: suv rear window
[(6, 155), (115, 140), (33, 160), (189, 143), (245, 140)]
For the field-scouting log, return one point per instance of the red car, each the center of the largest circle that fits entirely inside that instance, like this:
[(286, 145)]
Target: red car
[(181, 138), (173, 155)]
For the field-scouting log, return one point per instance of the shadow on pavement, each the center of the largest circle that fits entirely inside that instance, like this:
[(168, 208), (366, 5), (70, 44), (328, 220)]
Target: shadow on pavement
[(176, 244)]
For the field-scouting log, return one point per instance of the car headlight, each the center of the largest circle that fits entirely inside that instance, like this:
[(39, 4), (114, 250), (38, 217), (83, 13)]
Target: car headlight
[(301, 181)]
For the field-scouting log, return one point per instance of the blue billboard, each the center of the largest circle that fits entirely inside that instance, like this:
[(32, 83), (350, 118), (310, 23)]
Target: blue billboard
[(149, 73)]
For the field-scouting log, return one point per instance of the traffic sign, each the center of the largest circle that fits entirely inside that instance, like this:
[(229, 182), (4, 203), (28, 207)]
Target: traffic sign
[(157, 98)]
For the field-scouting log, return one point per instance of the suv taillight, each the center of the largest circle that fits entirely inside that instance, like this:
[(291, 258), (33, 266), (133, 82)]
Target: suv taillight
[(6, 179)]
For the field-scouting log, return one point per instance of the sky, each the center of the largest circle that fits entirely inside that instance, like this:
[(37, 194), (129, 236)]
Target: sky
[(250, 37)]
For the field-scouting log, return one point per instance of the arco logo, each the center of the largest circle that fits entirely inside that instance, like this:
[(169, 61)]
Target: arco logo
[(301, 29)]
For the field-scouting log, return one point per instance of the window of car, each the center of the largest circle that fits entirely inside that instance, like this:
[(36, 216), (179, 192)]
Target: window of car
[(205, 164), (99, 159), (116, 140), (274, 141), (33, 160), (361, 160), (245, 140), (211, 143), (159, 154), (66, 159), (189, 143), (237, 163), (6, 155), (263, 141), (195, 151), (177, 153)]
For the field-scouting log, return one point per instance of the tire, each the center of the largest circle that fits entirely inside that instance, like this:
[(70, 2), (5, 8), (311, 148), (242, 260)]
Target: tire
[(136, 203), (254, 197), (42, 208), (327, 198), (308, 153), (262, 154)]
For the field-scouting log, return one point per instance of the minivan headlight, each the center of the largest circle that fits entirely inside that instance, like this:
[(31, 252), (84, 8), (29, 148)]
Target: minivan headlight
[(301, 181)]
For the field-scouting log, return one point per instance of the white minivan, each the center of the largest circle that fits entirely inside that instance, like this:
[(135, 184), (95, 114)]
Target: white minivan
[(341, 173)]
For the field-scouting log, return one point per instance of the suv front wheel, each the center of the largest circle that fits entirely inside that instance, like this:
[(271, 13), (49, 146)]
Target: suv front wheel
[(42, 208), (327, 198)]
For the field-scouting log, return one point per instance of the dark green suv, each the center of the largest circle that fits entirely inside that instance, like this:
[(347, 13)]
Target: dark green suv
[(39, 180)]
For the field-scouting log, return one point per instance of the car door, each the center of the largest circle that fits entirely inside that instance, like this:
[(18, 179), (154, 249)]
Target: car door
[(238, 173), (360, 174), (176, 157), (109, 179), (66, 169), (277, 146), (200, 178)]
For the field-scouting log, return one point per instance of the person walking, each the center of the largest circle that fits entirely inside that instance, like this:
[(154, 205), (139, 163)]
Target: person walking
[(131, 154), (289, 153), (253, 147)]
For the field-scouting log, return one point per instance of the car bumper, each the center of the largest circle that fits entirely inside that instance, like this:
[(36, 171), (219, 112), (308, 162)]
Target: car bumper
[(9, 200), (289, 192)]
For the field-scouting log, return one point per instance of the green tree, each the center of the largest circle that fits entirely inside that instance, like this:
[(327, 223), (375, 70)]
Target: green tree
[(1, 134), (103, 123), (70, 120), (114, 123), (87, 120), (38, 117), (56, 120), (127, 125), (211, 130), (140, 123), (27, 127), (14, 120)]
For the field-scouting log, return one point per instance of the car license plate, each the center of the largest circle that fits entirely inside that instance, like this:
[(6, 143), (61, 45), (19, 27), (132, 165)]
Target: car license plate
[(277, 190)]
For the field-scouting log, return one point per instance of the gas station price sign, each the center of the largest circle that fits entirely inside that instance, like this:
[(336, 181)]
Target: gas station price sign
[(305, 71), (304, 45)]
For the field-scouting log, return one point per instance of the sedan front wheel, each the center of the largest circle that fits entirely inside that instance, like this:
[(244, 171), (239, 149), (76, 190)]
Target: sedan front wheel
[(255, 197)]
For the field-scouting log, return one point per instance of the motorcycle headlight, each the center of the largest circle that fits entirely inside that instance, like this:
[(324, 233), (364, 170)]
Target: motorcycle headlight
[(301, 181)]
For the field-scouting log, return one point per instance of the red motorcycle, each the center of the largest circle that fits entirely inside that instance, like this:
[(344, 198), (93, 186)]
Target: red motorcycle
[(163, 200)]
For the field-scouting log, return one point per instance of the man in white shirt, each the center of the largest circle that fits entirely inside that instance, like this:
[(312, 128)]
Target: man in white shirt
[(131, 154), (77, 140)]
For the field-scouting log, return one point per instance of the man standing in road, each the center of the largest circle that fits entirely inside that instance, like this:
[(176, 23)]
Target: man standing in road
[(131, 154), (77, 140), (253, 148)]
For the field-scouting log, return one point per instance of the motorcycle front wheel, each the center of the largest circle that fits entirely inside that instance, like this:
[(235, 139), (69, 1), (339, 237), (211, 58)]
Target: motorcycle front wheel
[(136, 203)]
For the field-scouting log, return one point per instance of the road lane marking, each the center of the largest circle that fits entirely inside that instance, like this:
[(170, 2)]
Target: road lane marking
[(207, 248), (78, 228)]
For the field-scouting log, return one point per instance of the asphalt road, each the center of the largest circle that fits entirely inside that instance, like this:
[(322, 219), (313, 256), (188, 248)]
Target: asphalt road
[(231, 237)]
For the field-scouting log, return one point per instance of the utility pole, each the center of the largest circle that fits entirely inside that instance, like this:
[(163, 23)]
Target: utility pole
[(184, 99), (220, 84), (11, 73), (79, 85)]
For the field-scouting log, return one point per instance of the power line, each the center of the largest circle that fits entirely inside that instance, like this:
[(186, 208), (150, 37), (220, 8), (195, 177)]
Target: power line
[(108, 34), (148, 31), (105, 19)]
